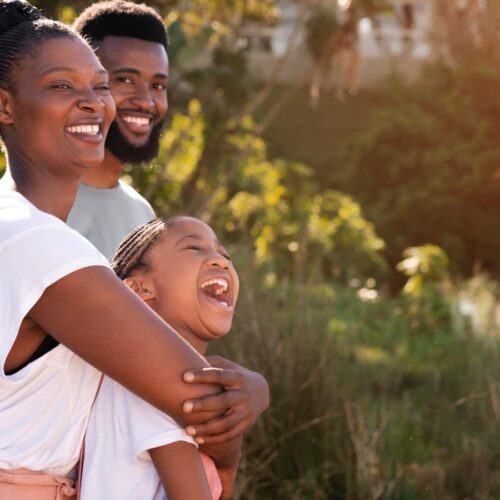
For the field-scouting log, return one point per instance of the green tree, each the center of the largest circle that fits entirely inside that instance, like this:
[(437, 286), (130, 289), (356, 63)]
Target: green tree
[(425, 168)]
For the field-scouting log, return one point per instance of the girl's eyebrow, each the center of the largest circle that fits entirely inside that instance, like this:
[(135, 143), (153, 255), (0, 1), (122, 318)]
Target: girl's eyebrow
[(187, 236), (195, 237)]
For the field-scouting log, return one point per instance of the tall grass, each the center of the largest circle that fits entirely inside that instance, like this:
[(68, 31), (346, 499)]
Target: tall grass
[(391, 398)]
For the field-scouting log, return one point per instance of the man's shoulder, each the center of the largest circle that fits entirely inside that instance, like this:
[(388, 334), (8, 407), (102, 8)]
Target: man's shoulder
[(130, 191), (133, 195)]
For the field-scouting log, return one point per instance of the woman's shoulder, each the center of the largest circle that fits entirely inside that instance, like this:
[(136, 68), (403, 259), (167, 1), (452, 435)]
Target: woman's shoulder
[(26, 231), (18, 214)]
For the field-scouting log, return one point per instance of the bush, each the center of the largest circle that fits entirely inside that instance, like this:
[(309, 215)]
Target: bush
[(425, 168), (366, 401)]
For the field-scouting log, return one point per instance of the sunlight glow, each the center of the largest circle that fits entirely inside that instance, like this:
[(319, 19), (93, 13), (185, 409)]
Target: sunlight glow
[(344, 4)]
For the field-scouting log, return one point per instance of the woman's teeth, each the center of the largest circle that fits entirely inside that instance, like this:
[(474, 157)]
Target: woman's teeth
[(84, 129)]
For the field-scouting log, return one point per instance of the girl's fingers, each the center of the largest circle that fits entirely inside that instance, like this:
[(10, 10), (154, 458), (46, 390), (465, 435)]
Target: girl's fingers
[(221, 425), (220, 402), (225, 377), (221, 438)]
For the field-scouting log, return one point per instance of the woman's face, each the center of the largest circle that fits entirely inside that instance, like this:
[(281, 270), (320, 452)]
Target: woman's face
[(194, 283), (59, 109)]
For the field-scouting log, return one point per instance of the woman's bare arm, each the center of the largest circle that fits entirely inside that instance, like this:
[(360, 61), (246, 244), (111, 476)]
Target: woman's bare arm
[(96, 316)]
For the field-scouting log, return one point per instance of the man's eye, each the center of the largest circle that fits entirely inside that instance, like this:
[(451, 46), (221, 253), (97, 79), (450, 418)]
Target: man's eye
[(124, 79), (192, 247), (159, 86)]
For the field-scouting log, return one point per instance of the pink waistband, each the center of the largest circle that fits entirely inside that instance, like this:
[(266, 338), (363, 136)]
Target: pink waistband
[(24, 484)]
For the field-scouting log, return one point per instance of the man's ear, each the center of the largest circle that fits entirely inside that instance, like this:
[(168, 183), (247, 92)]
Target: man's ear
[(138, 286), (5, 107)]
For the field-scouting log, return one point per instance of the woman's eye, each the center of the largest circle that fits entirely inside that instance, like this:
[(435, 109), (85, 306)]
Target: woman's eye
[(103, 86), (192, 247)]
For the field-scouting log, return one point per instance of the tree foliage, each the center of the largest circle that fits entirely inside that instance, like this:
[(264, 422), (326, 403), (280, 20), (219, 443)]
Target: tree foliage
[(425, 168), (274, 206)]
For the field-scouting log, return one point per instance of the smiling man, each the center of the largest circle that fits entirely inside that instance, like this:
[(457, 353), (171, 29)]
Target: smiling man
[(131, 42)]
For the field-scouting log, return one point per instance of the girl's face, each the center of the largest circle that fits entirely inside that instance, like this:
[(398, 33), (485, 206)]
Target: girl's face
[(193, 283), (59, 110)]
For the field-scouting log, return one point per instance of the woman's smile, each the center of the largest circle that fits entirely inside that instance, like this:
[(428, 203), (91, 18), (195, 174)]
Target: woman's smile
[(89, 130)]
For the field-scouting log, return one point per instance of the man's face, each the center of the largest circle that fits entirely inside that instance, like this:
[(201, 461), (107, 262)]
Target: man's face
[(138, 76)]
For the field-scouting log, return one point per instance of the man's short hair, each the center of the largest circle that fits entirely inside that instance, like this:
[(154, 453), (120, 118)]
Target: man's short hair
[(121, 18)]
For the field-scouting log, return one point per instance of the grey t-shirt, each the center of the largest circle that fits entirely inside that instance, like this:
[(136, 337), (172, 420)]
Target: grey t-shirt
[(106, 216)]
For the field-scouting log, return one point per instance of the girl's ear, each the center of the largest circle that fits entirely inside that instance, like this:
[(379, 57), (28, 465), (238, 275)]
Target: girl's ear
[(137, 286), (5, 107)]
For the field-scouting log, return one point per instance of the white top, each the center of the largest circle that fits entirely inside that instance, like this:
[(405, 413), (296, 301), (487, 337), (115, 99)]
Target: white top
[(44, 407), (106, 216), (122, 427)]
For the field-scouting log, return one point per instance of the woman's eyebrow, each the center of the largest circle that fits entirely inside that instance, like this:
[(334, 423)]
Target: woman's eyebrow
[(56, 69)]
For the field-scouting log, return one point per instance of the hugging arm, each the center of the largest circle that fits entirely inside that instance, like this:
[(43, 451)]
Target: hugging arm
[(94, 314)]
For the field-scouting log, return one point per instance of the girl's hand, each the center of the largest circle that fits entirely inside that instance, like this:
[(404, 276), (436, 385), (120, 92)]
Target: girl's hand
[(244, 399)]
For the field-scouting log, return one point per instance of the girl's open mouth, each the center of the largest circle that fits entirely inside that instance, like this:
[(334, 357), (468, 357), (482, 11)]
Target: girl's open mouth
[(217, 289)]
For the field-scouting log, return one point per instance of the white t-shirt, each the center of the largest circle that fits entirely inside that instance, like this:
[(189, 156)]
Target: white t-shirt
[(122, 427), (44, 407)]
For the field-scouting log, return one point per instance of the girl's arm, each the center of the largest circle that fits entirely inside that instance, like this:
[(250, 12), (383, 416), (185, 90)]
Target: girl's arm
[(96, 316), (181, 471), (227, 458)]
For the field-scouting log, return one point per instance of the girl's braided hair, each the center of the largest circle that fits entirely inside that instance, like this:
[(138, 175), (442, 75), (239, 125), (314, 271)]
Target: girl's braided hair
[(130, 254), (22, 28)]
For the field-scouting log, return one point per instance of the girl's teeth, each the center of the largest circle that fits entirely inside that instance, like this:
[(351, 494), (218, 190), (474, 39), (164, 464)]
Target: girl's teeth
[(217, 281)]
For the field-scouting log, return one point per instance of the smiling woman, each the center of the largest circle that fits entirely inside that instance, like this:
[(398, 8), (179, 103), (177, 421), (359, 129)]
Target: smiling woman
[(63, 313)]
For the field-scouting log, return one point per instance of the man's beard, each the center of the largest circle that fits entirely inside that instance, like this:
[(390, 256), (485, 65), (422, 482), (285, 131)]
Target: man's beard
[(118, 145)]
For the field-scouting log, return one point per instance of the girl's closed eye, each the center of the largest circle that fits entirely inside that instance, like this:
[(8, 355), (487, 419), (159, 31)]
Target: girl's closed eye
[(60, 86)]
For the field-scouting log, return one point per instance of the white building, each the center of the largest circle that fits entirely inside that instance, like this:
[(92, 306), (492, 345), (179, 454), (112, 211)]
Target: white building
[(396, 42)]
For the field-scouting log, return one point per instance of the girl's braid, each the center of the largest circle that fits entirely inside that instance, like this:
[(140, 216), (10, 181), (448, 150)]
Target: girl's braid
[(130, 254)]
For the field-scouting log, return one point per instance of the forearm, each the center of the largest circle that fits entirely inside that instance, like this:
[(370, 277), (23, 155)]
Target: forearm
[(225, 455), (181, 471), (108, 326)]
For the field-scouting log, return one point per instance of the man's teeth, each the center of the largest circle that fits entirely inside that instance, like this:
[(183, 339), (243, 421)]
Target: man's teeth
[(136, 119), (222, 283), (84, 129)]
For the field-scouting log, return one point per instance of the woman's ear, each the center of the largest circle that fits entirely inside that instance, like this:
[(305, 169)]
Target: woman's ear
[(138, 287), (5, 107)]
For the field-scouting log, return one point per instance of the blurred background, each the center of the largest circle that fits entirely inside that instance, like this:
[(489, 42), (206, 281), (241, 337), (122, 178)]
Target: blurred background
[(348, 154)]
